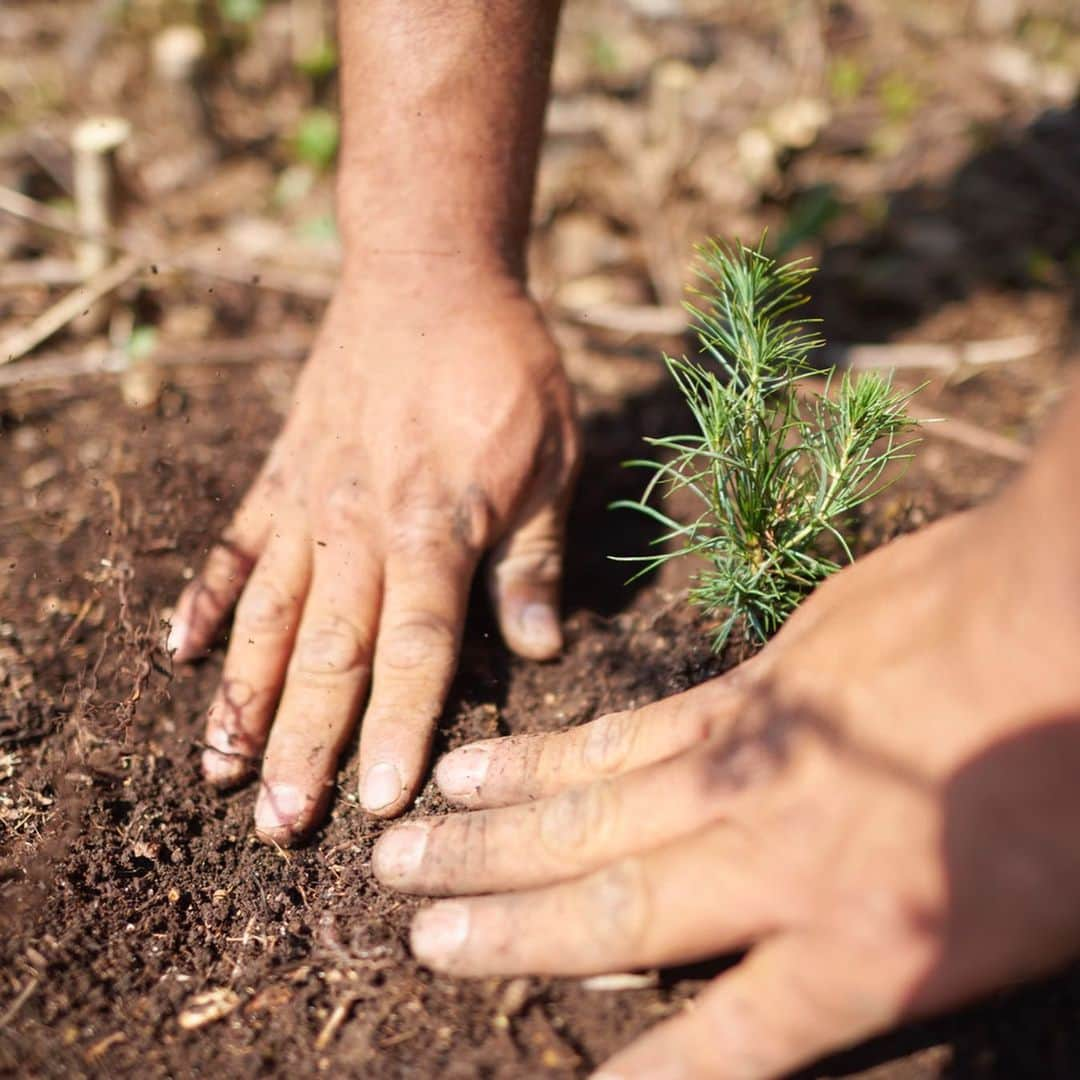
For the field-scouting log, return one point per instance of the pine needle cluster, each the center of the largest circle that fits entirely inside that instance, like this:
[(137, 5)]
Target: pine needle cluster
[(778, 472)]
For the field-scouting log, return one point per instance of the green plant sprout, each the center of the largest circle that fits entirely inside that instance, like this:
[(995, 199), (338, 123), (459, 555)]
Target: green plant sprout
[(778, 470)]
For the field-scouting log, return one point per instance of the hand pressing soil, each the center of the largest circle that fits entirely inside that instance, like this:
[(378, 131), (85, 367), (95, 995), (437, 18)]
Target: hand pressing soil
[(880, 807)]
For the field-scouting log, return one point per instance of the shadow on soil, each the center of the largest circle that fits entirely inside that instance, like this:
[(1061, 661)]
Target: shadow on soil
[(1008, 219)]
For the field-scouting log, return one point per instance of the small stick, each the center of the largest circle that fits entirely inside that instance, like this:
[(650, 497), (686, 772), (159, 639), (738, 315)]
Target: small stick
[(69, 307), (945, 427), (971, 435), (21, 999), (94, 144), (942, 357), (338, 1016), (151, 252), (668, 321), (649, 319), (34, 273), (103, 360)]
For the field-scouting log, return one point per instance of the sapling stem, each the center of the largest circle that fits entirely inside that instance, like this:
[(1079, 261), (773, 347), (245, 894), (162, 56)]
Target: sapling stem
[(778, 474)]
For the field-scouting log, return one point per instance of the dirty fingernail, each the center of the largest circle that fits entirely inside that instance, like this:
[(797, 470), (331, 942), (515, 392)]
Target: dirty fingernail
[(439, 932), (278, 806), (223, 769), (398, 853), (539, 626), (382, 787), (462, 773), (178, 636)]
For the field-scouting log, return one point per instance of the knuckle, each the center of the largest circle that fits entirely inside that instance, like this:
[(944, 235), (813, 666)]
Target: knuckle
[(265, 607), (609, 740), (426, 529), (229, 561), (539, 754), (576, 821), (730, 766), (334, 646), (346, 507), (420, 541), (881, 914), (573, 452), (417, 641), (472, 855), (536, 560), (473, 519), (617, 900)]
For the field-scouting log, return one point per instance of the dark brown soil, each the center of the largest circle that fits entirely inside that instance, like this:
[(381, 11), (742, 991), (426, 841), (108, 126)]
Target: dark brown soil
[(130, 895), (129, 889)]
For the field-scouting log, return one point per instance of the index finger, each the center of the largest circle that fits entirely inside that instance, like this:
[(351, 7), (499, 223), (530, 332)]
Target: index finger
[(522, 768)]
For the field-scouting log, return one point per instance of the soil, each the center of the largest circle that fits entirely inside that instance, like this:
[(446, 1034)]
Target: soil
[(142, 930)]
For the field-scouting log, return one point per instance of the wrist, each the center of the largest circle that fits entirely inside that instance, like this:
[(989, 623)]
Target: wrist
[(413, 284), (419, 262), (409, 224)]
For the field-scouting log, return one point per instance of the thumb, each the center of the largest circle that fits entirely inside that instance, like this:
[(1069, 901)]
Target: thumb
[(525, 579)]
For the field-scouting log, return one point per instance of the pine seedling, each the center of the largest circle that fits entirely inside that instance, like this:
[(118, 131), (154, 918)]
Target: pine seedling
[(777, 472)]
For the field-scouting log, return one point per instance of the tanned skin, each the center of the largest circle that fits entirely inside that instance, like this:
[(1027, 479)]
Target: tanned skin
[(433, 423), (880, 808)]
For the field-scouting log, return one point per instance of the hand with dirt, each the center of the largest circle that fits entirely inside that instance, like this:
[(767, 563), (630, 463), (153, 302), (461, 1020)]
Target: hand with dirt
[(881, 807), (433, 421), (353, 553)]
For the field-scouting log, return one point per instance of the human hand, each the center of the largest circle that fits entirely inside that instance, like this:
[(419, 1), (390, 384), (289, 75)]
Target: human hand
[(880, 807), (433, 421)]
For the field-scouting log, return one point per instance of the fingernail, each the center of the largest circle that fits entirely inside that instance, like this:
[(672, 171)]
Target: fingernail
[(178, 635), (224, 768), (462, 773), (382, 787), (539, 626), (278, 806), (398, 853), (439, 932)]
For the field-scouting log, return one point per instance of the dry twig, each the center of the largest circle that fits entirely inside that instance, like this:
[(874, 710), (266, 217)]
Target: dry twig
[(155, 254), (106, 360), (35, 273), (947, 358), (339, 1014), (21, 999), (949, 428), (69, 307)]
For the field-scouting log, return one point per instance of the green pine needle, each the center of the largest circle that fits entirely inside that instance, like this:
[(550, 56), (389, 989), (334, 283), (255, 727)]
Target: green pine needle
[(777, 475)]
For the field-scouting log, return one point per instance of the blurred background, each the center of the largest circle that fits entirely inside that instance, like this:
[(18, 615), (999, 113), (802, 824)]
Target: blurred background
[(923, 152)]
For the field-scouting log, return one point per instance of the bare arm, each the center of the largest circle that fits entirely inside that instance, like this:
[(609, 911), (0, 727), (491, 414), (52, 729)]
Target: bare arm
[(432, 423), (444, 106)]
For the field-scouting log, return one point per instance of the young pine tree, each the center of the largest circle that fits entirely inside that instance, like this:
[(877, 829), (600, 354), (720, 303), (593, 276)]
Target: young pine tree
[(777, 472)]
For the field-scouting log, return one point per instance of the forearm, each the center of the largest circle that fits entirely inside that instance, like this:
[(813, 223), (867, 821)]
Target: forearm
[(443, 104), (1040, 513)]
